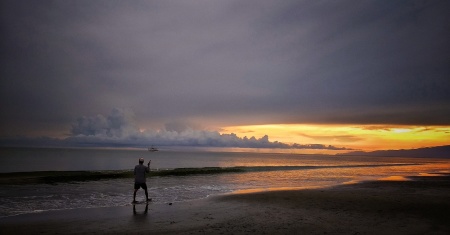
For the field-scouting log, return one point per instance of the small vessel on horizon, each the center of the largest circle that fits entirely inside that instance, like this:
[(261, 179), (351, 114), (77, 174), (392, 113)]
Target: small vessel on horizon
[(152, 149)]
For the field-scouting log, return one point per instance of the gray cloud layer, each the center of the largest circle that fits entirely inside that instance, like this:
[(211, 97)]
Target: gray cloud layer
[(119, 129), (224, 62)]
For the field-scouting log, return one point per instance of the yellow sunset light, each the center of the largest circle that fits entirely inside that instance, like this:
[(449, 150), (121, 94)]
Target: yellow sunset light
[(362, 137)]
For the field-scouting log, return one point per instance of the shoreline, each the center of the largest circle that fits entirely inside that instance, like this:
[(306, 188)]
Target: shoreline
[(419, 206)]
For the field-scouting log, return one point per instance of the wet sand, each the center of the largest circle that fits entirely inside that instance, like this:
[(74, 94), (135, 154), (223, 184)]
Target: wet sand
[(421, 206)]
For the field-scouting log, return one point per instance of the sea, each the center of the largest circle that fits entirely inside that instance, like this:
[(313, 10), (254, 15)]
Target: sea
[(35, 180)]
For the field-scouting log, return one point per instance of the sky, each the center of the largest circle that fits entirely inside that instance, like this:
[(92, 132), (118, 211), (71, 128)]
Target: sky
[(325, 75)]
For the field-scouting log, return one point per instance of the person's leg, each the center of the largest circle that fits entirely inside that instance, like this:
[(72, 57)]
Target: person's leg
[(134, 195), (136, 188), (144, 186), (146, 194)]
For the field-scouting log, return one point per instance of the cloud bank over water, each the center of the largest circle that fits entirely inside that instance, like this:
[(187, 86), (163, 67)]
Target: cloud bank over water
[(119, 129)]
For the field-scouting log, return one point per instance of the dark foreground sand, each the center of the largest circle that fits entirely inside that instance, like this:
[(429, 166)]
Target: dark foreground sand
[(383, 207)]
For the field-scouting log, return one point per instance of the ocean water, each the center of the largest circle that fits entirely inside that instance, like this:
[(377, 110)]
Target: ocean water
[(34, 180)]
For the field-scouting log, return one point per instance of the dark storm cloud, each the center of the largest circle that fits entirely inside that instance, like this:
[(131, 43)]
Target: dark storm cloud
[(224, 62), (118, 129)]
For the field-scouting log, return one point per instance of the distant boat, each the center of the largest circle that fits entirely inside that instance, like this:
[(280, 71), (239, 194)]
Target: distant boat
[(152, 149)]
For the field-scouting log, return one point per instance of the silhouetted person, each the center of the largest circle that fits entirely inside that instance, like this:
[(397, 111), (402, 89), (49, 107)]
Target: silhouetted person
[(139, 178)]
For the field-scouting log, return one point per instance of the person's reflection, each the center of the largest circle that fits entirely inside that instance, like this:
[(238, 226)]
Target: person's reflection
[(142, 213)]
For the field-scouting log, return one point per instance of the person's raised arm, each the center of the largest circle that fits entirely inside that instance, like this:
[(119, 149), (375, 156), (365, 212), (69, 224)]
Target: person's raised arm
[(148, 165)]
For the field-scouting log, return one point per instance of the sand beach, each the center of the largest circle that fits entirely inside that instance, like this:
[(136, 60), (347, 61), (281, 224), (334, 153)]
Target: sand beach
[(417, 206)]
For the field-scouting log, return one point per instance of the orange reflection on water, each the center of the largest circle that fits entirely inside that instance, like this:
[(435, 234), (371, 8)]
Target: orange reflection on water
[(395, 178), (329, 171), (432, 174), (258, 190)]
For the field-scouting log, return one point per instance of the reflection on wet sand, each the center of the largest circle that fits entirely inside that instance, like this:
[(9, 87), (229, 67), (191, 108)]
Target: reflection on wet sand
[(135, 212)]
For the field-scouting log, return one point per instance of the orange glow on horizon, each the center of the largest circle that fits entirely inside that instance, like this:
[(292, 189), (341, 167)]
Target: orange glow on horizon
[(358, 137)]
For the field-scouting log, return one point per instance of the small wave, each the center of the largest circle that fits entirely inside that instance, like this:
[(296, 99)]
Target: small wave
[(54, 177)]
